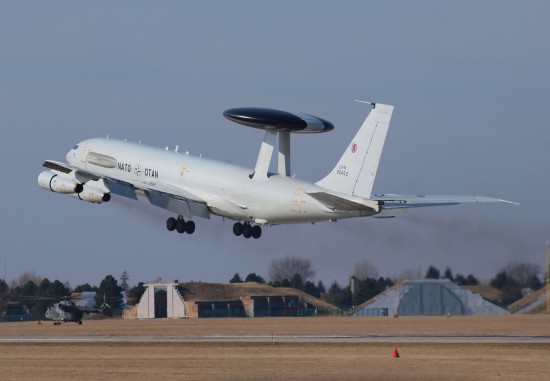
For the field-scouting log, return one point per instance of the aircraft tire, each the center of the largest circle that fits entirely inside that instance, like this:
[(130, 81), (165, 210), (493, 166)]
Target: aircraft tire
[(189, 227), (247, 231), (256, 231), (180, 225), (238, 229), (171, 224)]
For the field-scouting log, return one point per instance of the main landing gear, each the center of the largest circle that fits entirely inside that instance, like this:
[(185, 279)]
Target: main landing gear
[(180, 225), (247, 230)]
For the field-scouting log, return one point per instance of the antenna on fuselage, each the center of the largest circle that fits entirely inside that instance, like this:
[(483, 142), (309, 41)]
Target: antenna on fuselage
[(373, 104)]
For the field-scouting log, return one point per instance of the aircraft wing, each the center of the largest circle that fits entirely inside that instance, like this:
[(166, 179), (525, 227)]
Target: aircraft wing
[(66, 168), (166, 196), (393, 204)]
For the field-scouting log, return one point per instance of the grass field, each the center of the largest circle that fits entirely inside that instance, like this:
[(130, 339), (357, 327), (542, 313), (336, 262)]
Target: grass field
[(193, 360)]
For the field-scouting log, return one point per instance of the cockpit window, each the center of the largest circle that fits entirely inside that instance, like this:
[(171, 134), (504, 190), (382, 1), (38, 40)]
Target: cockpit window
[(75, 147)]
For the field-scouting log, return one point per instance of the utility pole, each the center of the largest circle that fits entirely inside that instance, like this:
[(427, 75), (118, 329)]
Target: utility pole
[(547, 252)]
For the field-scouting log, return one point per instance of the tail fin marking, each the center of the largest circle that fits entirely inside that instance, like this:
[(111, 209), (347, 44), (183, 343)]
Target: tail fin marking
[(355, 172)]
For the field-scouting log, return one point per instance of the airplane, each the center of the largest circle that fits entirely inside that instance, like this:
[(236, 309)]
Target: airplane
[(192, 186)]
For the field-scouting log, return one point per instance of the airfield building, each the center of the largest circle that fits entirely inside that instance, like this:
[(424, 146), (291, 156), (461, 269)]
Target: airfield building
[(202, 300), (429, 297), (532, 303)]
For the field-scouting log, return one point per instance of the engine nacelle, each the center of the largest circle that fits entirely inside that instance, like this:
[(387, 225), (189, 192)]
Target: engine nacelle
[(58, 183), (92, 194)]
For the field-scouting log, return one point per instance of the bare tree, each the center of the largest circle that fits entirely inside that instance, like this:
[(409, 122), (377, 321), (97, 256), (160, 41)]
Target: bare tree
[(287, 267), (522, 273), (364, 269), (410, 274), (24, 278)]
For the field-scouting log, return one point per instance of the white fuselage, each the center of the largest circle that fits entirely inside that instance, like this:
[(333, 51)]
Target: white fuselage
[(227, 189), (191, 186)]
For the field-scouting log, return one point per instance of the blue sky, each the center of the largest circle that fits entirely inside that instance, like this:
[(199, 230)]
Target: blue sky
[(469, 81)]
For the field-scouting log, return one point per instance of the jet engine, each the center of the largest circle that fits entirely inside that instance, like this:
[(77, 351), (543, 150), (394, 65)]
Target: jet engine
[(58, 183), (92, 195), (94, 191)]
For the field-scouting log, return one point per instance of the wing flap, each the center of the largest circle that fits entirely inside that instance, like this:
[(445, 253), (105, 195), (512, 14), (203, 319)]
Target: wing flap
[(175, 199), (182, 206), (167, 202), (121, 188), (159, 186)]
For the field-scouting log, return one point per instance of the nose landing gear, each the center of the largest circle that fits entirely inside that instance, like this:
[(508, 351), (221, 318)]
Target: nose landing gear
[(180, 225), (247, 230)]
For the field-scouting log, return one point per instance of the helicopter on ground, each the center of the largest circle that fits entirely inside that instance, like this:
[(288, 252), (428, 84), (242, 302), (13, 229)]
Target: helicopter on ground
[(68, 311)]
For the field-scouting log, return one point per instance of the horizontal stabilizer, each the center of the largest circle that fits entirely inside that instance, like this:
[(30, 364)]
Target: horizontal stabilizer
[(393, 201), (340, 204)]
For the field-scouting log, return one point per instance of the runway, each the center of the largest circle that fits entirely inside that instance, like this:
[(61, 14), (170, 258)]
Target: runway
[(487, 339)]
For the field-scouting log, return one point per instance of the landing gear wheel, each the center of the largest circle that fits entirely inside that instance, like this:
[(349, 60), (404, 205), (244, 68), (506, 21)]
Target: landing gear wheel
[(238, 229), (171, 224), (180, 225), (80, 322), (190, 227), (247, 231), (256, 231)]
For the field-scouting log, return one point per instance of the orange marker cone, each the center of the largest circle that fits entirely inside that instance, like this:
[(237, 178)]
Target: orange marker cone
[(395, 354)]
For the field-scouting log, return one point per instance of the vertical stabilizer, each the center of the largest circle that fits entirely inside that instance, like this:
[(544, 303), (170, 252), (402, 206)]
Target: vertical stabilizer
[(355, 172)]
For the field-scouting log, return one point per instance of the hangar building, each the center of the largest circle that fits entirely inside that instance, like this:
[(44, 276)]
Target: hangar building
[(160, 300), (533, 303), (200, 300), (429, 297)]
